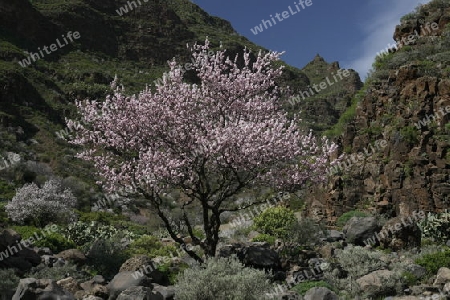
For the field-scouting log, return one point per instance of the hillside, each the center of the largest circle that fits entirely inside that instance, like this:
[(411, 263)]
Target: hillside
[(114, 38)]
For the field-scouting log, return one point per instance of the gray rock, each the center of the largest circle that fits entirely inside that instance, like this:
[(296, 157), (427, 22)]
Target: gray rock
[(168, 292), (320, 293), (48, 260), (91, 297), (334, 236), (40, 289), (142, 263), (125, 280), (290, 295), (443, 276), (73, 255), (260, 257), (374, 280), (359, 229), (418, 271), (135, 293), (19, 256)]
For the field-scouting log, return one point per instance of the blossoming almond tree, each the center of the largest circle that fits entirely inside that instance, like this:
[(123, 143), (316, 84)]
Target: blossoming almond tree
[(211, 140)]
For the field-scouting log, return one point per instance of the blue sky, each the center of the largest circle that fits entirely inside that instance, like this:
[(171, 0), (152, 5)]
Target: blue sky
[(348, 31)]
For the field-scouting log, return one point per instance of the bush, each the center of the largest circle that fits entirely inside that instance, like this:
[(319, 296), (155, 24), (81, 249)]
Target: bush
[(105, 218), (107, 255), (303, 287), (84, 234), (305, 232), (40, 206), (56, 242), (172, 270), (53, 240), (358, 261), (150, 246), (433, 261), (221, 278), (9, 281), (436, 227), (57, 273), (275, 221), (265, 238), (355, 262), (343, 219)]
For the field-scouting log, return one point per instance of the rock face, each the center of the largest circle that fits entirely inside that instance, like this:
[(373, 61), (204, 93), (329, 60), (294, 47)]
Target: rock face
[(406, 104)]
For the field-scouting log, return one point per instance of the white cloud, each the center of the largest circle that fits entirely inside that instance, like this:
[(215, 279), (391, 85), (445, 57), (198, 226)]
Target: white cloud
[(378, 31)]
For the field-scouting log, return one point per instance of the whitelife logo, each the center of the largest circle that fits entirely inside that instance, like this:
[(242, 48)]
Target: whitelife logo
[(280, 17), (33, 57)]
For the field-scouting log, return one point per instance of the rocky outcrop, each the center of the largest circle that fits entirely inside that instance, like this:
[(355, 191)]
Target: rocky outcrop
[(405, 107)]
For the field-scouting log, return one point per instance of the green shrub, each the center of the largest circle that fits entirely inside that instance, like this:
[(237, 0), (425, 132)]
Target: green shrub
[(343, 219), (84, 234), (275, 221), (436, 227), (56, 242), (25, 231), (150, 246), (433, 261), (104, 218), (172, 270), (221, 278), (303, 287), (9, 281), (356, 262), (265, 238), (107, 255), (57, 273), (305, 232), (410, 278)]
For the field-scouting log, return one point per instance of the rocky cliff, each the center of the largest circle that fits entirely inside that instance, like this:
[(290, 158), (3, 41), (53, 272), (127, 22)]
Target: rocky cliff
[(396, 142)]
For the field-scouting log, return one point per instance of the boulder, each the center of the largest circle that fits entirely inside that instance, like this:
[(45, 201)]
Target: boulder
[(73, 255), (260, 257), (418, 271), (443, 276), (14, 254), (69, 284), (334, 236), (400, 233), (144, 264), (374, 281), (320, 293), (125, 280), (40, 289), (90, 297), (290, 295), (167, 292), (359, 229), (140, 293), (257, 255)]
